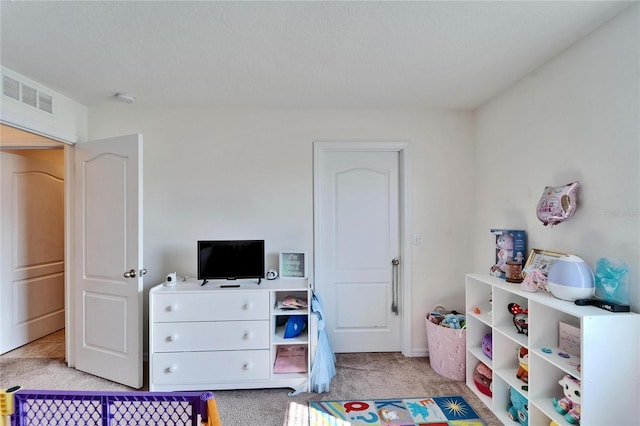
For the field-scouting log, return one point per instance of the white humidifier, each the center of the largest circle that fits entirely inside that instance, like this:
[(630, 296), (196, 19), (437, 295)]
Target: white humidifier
[(570, 278)]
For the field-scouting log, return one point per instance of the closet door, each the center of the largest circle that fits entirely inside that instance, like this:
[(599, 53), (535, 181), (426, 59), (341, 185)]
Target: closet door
[(32, 241), (358, 219)]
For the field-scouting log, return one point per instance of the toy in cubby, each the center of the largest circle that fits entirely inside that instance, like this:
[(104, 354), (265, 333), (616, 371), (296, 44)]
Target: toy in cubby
[(520, 318), (483, 378), (569, 405), (487, 345), (518, 409), (523, 362)]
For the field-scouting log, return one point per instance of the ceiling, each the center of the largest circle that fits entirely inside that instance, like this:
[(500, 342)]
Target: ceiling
[(295, 54)]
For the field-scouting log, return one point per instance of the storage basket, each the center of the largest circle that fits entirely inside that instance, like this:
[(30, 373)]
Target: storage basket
[(447, 349)]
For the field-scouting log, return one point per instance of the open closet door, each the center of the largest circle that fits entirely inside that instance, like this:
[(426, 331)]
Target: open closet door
[(108, 259)]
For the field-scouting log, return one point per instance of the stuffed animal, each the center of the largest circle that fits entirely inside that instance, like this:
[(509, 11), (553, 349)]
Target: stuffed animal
[(483, 378), (456, 321), (487, 345), (520, 318), (504, 253), (569, 405), (518, 410), (523, 361)]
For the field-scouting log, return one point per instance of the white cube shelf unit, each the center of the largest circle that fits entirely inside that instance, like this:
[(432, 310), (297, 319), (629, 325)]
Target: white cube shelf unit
[(608, 361), (212, 338)]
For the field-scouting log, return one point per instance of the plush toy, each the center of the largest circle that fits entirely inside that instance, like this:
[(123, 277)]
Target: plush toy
[(523, 361), (487, 345), (456, 321), (569, 405), (483, 378), (504, 253), (518, 410), (520, 318)]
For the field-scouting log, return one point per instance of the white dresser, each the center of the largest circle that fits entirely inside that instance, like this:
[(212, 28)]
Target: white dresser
[(209, 338)]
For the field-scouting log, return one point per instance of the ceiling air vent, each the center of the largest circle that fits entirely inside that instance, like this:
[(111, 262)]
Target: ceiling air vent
[(29, 95), (11, 87), (45, 102)]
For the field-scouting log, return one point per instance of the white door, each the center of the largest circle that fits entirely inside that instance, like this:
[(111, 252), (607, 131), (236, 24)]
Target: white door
[(108, 259), (32, 241), (357, 214)]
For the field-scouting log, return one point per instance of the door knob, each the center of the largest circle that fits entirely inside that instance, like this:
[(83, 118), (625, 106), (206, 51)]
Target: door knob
[(130, 274)]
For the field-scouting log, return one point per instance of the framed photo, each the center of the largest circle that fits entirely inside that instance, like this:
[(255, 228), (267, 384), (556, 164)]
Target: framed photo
[(293, 264), (541, 260)]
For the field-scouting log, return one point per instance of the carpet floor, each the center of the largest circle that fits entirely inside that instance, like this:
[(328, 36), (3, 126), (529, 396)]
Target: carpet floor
[(358, 376)]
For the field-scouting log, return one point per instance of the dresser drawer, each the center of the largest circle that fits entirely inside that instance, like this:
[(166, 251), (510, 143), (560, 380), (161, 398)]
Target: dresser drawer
[(209, 367), (210, 336), (211, 306)]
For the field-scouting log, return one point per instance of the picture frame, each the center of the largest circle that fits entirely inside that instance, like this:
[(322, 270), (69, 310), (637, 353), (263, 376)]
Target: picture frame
[(541, 260), (293, 264)]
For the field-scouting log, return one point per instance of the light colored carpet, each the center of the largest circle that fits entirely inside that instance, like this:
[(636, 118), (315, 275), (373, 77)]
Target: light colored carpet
[(358, 376)]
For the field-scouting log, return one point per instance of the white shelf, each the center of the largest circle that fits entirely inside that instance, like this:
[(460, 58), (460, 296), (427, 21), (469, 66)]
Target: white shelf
[(279, 339), (602, 334)]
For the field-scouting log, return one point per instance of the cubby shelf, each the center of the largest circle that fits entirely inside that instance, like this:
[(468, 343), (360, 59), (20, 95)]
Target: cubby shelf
[(608, 362)]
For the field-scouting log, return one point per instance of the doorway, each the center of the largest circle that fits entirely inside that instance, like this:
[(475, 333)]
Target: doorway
[(362, 260), (33, 235)]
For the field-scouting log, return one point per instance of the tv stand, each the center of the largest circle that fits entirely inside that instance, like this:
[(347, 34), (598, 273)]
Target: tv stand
[(204, 281), (211, 338)]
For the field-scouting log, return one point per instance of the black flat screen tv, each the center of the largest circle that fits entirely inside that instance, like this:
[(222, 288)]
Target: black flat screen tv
[(230, 260)]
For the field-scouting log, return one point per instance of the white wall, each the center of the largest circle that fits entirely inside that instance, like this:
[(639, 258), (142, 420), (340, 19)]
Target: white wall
[(248, 174), (575, 118)]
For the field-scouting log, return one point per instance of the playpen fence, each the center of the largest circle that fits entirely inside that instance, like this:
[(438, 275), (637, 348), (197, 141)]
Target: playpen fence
[(46, 407)]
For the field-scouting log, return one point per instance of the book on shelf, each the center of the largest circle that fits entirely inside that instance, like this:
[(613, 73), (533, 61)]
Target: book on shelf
[(291, 303)]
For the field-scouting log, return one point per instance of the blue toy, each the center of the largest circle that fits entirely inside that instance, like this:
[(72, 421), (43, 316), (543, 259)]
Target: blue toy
[(518, 408), (456, 321)]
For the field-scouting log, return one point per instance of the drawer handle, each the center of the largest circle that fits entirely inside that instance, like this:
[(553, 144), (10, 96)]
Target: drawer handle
[(172, 338), (246, 335), (172, 369), (172, 308), (246, 306), (246, 366)]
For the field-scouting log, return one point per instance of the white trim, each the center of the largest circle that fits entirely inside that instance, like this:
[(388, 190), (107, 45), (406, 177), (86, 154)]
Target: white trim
[(69, 247), (402, 147), (37, 128)]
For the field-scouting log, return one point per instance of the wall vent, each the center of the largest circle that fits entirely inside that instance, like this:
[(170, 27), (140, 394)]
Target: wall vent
[(45, 102), (11, 87), (31, 96)]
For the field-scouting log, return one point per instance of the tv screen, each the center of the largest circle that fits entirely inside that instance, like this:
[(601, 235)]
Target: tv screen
[(230, 259)]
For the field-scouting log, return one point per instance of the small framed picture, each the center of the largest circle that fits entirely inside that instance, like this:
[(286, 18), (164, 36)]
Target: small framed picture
[(541, 260), (293, 264)]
